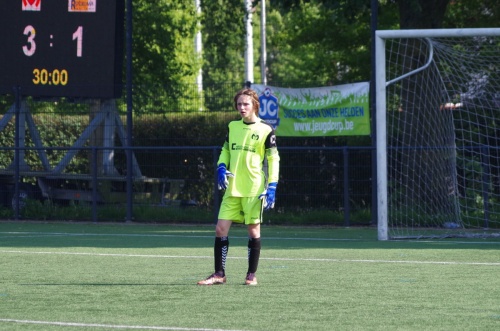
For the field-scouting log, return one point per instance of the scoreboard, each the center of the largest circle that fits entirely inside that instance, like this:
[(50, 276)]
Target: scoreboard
[(62, 48)]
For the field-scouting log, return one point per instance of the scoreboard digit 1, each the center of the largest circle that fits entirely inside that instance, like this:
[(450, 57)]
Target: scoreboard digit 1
[(62, 48)]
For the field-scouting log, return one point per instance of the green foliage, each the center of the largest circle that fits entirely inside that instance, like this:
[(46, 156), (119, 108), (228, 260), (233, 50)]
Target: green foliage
[(203, 128), (223, 40), (163, 53), (223, 37), (313, 44), (6, 102), (54, 131), (472, 14), (7, 139), (74, 211), (163, 41), (309, 43)]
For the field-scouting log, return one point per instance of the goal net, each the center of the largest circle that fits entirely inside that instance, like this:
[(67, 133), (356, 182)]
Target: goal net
[(438, 133)]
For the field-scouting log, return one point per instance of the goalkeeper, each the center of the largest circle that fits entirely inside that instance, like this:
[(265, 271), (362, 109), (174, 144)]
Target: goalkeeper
[(240, 173)]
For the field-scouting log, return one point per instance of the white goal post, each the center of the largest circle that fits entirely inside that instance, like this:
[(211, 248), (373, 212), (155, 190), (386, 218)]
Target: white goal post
[(437, 140)]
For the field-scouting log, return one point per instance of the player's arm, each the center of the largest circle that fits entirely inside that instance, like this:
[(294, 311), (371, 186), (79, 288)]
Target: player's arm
[(222, 163), (273, 163), (224, 156), (273, 158)]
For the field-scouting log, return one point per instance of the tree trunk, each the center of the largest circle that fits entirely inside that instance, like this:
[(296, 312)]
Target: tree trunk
[(421, 14)]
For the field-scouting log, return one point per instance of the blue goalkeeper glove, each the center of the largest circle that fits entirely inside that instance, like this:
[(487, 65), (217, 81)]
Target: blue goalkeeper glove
[(269, 196), (222, 175)]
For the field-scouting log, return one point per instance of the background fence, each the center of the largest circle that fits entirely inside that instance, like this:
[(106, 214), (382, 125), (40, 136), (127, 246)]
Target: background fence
[(69, 159), (331, 184)]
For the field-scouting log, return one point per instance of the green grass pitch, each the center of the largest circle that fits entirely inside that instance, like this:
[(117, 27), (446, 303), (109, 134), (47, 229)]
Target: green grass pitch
[(75, 276)]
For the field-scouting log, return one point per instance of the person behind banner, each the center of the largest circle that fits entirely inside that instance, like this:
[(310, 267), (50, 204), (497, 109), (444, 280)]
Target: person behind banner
[(240, 172)]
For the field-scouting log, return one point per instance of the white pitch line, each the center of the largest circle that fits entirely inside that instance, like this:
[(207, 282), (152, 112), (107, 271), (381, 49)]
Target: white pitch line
[(390, 261), (211, 236), (29, 234), (262, 258), (110, 326), (108, 254)]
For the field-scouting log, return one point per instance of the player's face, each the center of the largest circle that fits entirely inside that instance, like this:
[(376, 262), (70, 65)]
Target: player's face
[(245, 107)]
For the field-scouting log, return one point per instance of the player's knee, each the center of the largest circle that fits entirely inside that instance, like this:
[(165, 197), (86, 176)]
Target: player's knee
[(221, 229), (254, 231)]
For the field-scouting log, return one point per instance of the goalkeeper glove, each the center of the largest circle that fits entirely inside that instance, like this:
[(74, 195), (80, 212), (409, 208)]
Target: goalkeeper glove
[(269, 196), (222, 174)]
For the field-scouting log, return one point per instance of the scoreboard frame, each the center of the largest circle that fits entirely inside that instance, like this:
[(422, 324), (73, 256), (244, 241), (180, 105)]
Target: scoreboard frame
[(62, 48)]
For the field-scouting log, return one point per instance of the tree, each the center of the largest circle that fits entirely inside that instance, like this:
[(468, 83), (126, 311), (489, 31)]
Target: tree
[(472, 14), (163, 54), (318, 42), (421, 14), (327, 42), (223, 48)]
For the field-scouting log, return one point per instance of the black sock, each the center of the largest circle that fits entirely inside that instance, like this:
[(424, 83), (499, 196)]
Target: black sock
[(221, 248), (253, 254)]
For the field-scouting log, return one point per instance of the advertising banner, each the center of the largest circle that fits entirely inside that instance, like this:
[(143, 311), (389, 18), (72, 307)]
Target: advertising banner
[(341, 110)]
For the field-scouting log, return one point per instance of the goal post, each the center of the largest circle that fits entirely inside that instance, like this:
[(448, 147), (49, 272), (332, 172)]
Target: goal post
[(438, 132)]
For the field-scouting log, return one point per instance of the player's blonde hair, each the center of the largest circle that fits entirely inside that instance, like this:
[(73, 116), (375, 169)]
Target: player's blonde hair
[(252, 94)]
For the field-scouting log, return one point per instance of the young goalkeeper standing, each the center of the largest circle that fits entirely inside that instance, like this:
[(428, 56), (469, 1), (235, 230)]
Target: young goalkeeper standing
[(240, 173)]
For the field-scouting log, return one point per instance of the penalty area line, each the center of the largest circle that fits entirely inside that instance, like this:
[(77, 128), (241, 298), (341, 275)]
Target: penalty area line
[(109, 326)]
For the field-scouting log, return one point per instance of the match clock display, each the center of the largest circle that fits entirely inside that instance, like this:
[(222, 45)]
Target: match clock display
[(62, 48)]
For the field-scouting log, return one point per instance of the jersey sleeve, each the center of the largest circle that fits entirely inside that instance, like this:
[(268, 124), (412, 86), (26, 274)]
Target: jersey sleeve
[(273, 158), (224, 156)]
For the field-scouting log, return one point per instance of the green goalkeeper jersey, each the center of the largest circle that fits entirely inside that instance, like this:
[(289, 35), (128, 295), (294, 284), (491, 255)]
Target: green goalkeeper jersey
[(244, 151)]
